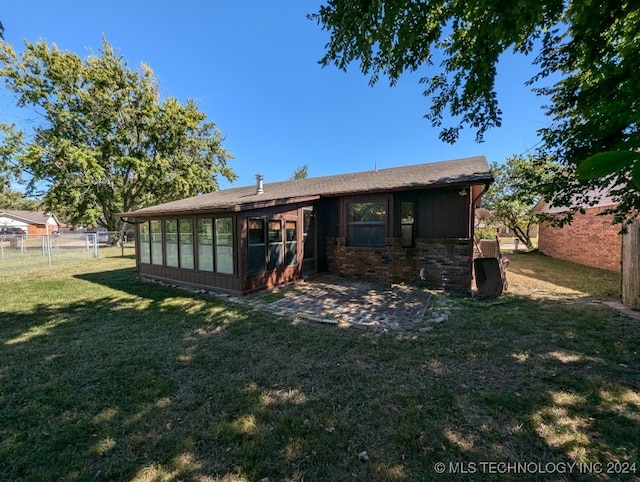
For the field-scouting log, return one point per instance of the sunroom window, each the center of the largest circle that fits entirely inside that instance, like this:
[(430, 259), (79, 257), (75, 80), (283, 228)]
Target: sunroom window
[(205, 244), (156, 242), (171, 242), (145, 248), (257, 245), (224, 245), (186, 243), (275, 244), (291, 240)]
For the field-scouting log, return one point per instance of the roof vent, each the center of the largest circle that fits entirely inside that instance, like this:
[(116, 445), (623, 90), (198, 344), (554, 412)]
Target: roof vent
[(259, 187)]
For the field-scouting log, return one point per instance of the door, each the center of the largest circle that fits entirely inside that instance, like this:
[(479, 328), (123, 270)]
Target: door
[(309, 246)]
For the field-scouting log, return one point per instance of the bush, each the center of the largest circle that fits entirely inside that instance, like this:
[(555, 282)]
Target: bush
[(485, 233)]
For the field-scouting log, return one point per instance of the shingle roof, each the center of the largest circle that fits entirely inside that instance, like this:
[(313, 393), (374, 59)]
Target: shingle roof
[(472, 170), (32, 217)]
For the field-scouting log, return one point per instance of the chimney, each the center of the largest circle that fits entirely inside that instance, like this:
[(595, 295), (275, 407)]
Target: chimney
[(259, 187)]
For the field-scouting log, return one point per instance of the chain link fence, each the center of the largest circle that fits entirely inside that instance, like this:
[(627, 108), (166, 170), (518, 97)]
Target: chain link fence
[(22, 252)]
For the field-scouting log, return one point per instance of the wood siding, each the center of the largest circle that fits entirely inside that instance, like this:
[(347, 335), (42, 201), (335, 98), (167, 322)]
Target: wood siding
[(441, 243)]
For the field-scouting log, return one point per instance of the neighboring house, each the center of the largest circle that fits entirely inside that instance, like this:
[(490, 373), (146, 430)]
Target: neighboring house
[(30, 222), (384, 225), (506, 232), (591, 239)]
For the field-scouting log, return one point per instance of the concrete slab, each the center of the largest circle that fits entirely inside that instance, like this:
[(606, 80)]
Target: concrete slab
[(330, 299)]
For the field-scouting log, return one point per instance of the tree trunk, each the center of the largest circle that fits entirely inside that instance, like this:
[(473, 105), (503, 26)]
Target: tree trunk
[(631, 266)]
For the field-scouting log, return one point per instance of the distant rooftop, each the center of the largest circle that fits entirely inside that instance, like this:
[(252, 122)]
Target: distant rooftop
[(471, 170), (33, 217)]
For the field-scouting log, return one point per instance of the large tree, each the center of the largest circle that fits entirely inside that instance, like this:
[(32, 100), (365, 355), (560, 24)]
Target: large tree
[(518, 185), (107, 143), (14, 200), (588, 54)]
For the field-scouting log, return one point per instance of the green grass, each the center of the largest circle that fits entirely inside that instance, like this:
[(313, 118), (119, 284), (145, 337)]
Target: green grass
[(106, 377)]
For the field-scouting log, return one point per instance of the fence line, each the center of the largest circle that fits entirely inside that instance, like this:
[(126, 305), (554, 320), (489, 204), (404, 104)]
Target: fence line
[(21, 252)]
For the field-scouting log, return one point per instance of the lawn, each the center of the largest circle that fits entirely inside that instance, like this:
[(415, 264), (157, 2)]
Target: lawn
[(107, 377)]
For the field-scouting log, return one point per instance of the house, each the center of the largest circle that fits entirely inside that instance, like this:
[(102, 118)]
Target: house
[(30, 222), (591, 239), (384, 225)]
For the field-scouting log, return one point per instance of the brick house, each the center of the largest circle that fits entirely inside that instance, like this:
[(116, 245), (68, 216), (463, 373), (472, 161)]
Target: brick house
[(591, 239), (31, 222), (384, 225)]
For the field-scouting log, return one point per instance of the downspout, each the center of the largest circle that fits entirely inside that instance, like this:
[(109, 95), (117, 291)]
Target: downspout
[(486, 188), (473, 205)]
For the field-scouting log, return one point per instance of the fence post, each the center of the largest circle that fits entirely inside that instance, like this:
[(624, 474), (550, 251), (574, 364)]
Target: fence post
[(631, 266), (95, 245)]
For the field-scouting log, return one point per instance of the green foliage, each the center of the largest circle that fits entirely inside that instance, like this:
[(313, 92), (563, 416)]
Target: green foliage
[(108, 143), (606, 163), (301, 172), (486, 232), (10, 142), (516, 190), (466, 39), (14, 200), (587, 54)]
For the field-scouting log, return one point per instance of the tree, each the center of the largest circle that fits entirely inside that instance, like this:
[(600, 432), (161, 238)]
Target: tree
[(587, 51), (10, 142), (301, 172), (107, 143), (14, 200), (516, 190)]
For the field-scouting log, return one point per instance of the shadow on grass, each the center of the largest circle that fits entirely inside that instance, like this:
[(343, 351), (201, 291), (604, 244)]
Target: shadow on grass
[(142, 382)]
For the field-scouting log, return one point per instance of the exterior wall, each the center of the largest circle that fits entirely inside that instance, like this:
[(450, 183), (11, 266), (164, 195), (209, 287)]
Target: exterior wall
[(39, 230), (441, 243), (7, 222), (198, 279), (440, 257), (31, 228), (242, 281), (267, 279), (590, 240)]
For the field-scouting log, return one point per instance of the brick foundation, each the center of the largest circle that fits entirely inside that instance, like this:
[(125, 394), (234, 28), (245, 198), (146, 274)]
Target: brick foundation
[(394, 264), (590, 240)]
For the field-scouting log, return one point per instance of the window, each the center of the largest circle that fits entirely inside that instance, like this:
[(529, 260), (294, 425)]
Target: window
[(205, 244), (257, 245), (366, 223), (224, 245), (186, 243), (156, 242), (407, 221), (291, 240), (171, 242), (145, 251), (275, 244)]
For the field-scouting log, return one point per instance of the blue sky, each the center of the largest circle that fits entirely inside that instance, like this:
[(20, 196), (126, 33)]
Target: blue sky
[(252, 67)]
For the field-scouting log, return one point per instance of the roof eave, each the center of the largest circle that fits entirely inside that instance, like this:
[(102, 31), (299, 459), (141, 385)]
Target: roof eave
[(232, 208)]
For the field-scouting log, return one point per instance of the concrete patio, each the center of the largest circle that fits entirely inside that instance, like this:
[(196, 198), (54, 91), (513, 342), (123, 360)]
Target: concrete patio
[(345, 302)]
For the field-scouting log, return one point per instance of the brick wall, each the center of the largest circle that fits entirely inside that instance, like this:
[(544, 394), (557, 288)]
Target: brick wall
[(39, 229), (394, 264), (590, 240)]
